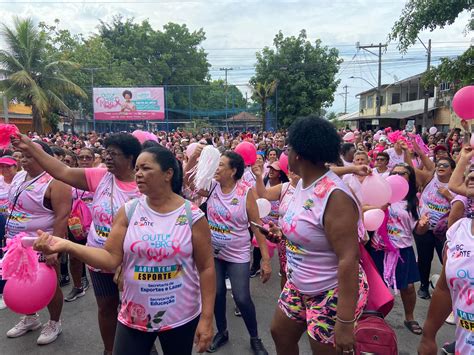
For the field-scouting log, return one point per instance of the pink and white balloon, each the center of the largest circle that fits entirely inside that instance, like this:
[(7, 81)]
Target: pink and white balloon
[(433, 130), (375, 191), (399, 187), (373, 219), (264, 207)]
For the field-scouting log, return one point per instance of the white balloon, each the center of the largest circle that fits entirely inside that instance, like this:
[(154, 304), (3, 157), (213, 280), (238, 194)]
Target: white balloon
[(264, 207), (433, 130)]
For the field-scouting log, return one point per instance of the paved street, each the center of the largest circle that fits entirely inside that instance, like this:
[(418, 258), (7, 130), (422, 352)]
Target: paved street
[(81, 335)]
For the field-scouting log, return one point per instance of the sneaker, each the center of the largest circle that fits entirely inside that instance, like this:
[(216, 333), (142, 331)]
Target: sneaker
[(450, 319), (154, 351), (434, 280), (228, 285), (26, 324), (50, 332), (449, 348), (219, 340), (257, 346), (237, 312), (423, 293), (254, 272), (85, 283), (74, 294), (64, 280), (2, 303)]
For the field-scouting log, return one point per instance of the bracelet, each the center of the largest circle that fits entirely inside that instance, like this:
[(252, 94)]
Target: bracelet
[(345, 321)]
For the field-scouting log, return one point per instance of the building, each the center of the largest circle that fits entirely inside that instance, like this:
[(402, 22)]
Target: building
[(19, 115), (403, 102), (244, 121)]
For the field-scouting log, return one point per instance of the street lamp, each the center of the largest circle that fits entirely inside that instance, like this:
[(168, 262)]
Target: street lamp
[(361, 78)]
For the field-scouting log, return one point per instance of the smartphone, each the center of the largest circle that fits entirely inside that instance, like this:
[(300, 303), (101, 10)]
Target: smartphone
[(260, 227)]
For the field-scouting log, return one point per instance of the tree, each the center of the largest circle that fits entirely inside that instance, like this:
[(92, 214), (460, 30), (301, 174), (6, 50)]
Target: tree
[(31, 76), (305, 72), (261, 93), (419, 15)]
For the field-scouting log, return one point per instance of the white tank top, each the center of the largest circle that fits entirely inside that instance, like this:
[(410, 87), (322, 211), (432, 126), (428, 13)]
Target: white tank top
[(28, 213), (228, 221), (460, 279), (161, 282)]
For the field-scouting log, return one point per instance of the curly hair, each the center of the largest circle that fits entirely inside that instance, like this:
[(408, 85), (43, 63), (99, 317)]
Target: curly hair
[(235, 162), (128, 144), (314, 139)]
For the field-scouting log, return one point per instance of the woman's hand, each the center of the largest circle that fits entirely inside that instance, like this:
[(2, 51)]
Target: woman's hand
[(424, 220), (445, 193), (49, 244), (257, 170), (20, 142), (274, 234), (427, 346), (362, 170), (265, 270), (203, 335), (344, 338)]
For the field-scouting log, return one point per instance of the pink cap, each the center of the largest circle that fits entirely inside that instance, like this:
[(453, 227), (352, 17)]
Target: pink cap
[(8, 160)]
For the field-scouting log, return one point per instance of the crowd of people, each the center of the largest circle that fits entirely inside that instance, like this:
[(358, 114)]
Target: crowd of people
[(161, 254)]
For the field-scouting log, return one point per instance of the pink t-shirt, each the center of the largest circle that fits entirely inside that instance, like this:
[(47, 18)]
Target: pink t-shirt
[(463, 200), (400, 226), (161, 282), (312, 262), (433, 203), (459, 276), (353, 182), (248, 177), (4, 191), (394, 158), (274, 211), (229, 223), (95, 175)]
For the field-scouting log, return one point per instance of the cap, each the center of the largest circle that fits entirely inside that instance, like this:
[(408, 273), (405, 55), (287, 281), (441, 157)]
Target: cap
[(275, 165), (8, 160), (440, 147)]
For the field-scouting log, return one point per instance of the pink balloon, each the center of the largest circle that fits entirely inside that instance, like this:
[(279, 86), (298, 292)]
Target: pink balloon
[(373, 219), (348, 137), (26, 297), (377, 136), (284, 163), (140, 135), (399, 187), (271, 246), (375, 191), (248, 152), (191, 148), (151, 137), (463, 103)]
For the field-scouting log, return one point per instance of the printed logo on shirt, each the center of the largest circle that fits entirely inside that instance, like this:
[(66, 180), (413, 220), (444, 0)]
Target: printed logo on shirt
[(143, 222), (102, 231), (459, 252), (293, 248), (437, 208), (157, 273), (182, 220), (158, 240), (466, 320), (308, 204), (234, 201)]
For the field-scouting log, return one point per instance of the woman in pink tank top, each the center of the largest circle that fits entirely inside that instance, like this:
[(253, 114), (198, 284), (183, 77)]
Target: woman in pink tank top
[(112, 188), (163, 244), (282, 193), (454, 290), (37, 201), (326, 288)]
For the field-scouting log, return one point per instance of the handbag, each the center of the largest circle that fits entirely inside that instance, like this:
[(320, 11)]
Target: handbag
[(203, 206), (374, 336)]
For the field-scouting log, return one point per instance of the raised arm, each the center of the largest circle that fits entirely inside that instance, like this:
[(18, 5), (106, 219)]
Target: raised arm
[(75, 177), (273, 193), (456, 182)]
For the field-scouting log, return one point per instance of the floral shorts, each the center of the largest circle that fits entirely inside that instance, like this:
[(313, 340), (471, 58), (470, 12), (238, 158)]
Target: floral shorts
[(318, 311)]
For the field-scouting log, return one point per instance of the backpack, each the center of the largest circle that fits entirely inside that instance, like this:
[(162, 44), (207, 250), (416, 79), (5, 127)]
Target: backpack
[(374, 336), (80, 219)]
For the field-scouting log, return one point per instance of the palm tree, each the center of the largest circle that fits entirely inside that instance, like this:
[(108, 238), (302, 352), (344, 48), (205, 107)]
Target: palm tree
[(31, 76), (261, 93)]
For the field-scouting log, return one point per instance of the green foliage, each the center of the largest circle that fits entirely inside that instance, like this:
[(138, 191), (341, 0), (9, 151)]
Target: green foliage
[(33, 75), (262, 92), (459, 71), (305, 72), (419, 15)]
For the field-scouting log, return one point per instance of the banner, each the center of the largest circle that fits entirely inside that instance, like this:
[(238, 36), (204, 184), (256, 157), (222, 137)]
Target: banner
[(129, 104)]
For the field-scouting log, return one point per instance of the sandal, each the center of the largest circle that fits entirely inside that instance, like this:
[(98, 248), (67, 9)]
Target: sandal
[(413, 327)]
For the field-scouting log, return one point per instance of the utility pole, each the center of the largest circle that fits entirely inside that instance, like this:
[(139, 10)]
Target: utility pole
[(426, 92), (92, 71), (226, 69), (344, 94), (5, 108), (379, 81)]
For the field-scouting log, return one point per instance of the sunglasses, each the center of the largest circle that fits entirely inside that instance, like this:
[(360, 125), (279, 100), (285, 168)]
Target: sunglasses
[(400, 173), (85, 157), (443, 165), (381, 159)]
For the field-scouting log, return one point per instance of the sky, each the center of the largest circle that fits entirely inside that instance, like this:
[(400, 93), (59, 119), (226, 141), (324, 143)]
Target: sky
[(236, 30)]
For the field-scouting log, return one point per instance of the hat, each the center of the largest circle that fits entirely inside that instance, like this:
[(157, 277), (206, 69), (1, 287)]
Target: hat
[(184, 140), (440, 147), (8, 160), (275, 165)]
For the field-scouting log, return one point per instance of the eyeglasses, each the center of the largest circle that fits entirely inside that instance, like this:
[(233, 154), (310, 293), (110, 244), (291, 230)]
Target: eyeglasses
[(400, 173), (112, 154), (442, 165), (381, 159), (84, 157), (68, 161)]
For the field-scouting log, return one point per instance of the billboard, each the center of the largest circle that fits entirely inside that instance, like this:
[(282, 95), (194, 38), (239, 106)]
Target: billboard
[(128, 104)]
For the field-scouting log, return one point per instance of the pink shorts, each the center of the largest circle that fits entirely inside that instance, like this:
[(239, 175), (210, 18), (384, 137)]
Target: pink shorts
[(318, 311)]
